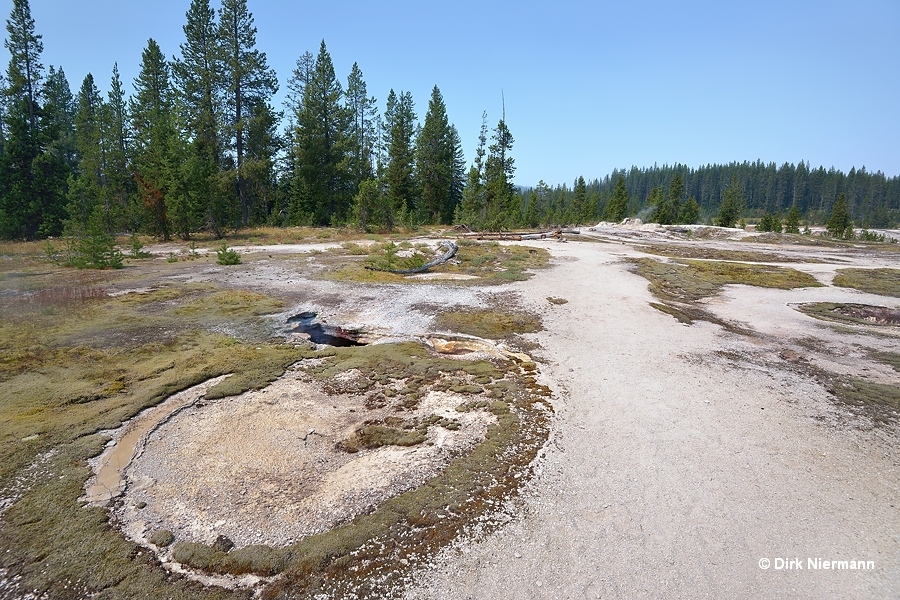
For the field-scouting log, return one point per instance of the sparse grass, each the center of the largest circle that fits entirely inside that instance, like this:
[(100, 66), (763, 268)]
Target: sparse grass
[(700, 252), (692, 280), (879, 401), (488, 323), (855, 314), (891, 359), (681, 284), (74, 361), (557, 301), (490, 263), (884, 282)]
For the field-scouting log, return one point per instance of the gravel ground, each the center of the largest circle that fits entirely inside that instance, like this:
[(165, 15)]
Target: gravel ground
[(677, 473)]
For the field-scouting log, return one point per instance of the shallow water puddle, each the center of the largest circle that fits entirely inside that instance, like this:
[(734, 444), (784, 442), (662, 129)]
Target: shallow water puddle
[(129, 440)]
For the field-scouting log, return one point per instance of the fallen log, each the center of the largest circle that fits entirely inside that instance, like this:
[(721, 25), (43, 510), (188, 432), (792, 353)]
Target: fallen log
[(517, 236), (451, 247)]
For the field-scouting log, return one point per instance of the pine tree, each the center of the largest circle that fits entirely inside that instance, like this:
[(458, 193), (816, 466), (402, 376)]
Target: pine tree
[(657, 199), (58, 116), (321, 144), (792, 220), (400, 124), (85, 185), (199, 77), (361, 132), (839, 224), (248, 82), (121, 188), (499, 191), (263, 145), (579, 201), (472, 210), (617, 207), (434, 161), (457, 176), (732, 204), (154, 139), (29, 199), (300, 209), (689, 212)]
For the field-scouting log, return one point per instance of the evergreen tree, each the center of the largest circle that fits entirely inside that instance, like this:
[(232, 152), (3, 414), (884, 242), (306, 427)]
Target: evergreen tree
[(689, 212), (370, 207), (532, 215), (579, 201), (657, 199), (617, 207), (839, 224), (248, 82), (27, 207), (400, 124), (499, 191), (361, 132), (434, 162), (117, 144), (457, 176), (58, 116), (85, 185), (668, 210), (155, 141), (321, 144), (732, 204), (472, 210), (199, 81), (299, 135), (263, 145), (792, 220)]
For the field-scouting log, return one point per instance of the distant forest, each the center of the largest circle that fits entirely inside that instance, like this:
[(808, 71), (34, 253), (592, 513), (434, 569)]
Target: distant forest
[(199, 147), (872, 198)]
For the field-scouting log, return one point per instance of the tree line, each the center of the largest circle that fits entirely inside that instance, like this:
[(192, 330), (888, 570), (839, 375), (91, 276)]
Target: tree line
[(199, 145), (680, 194)]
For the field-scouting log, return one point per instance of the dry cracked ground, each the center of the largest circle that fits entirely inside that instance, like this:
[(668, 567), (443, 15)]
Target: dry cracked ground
[(723, 423)]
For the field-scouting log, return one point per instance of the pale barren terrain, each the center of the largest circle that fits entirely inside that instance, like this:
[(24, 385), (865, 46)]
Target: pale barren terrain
[(681, 459)]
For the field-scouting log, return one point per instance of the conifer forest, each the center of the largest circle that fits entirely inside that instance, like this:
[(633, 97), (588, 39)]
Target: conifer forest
[(200, 146)]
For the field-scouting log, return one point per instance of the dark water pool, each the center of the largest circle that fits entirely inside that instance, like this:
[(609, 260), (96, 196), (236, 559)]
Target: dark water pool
[(322, 333)]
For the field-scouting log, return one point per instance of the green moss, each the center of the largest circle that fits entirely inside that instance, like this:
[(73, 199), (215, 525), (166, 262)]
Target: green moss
[(884, 282), (489, 262), (162, 538), (853, 314), (692, 280), (488, 323), (231, 303), (880, 401), (701, 252), (891, 359)]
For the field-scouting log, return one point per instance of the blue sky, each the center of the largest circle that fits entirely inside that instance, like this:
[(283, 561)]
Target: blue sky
[(589, 86)]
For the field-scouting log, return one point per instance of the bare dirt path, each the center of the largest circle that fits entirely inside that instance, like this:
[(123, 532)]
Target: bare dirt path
[(673, 473)]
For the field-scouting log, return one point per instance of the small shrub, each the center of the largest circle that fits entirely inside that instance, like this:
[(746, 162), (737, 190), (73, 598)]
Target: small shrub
[(137, 248), (227, 256), (162, 538)]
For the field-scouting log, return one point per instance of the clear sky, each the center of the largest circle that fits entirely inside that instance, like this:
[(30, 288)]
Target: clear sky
[(589, 86)]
